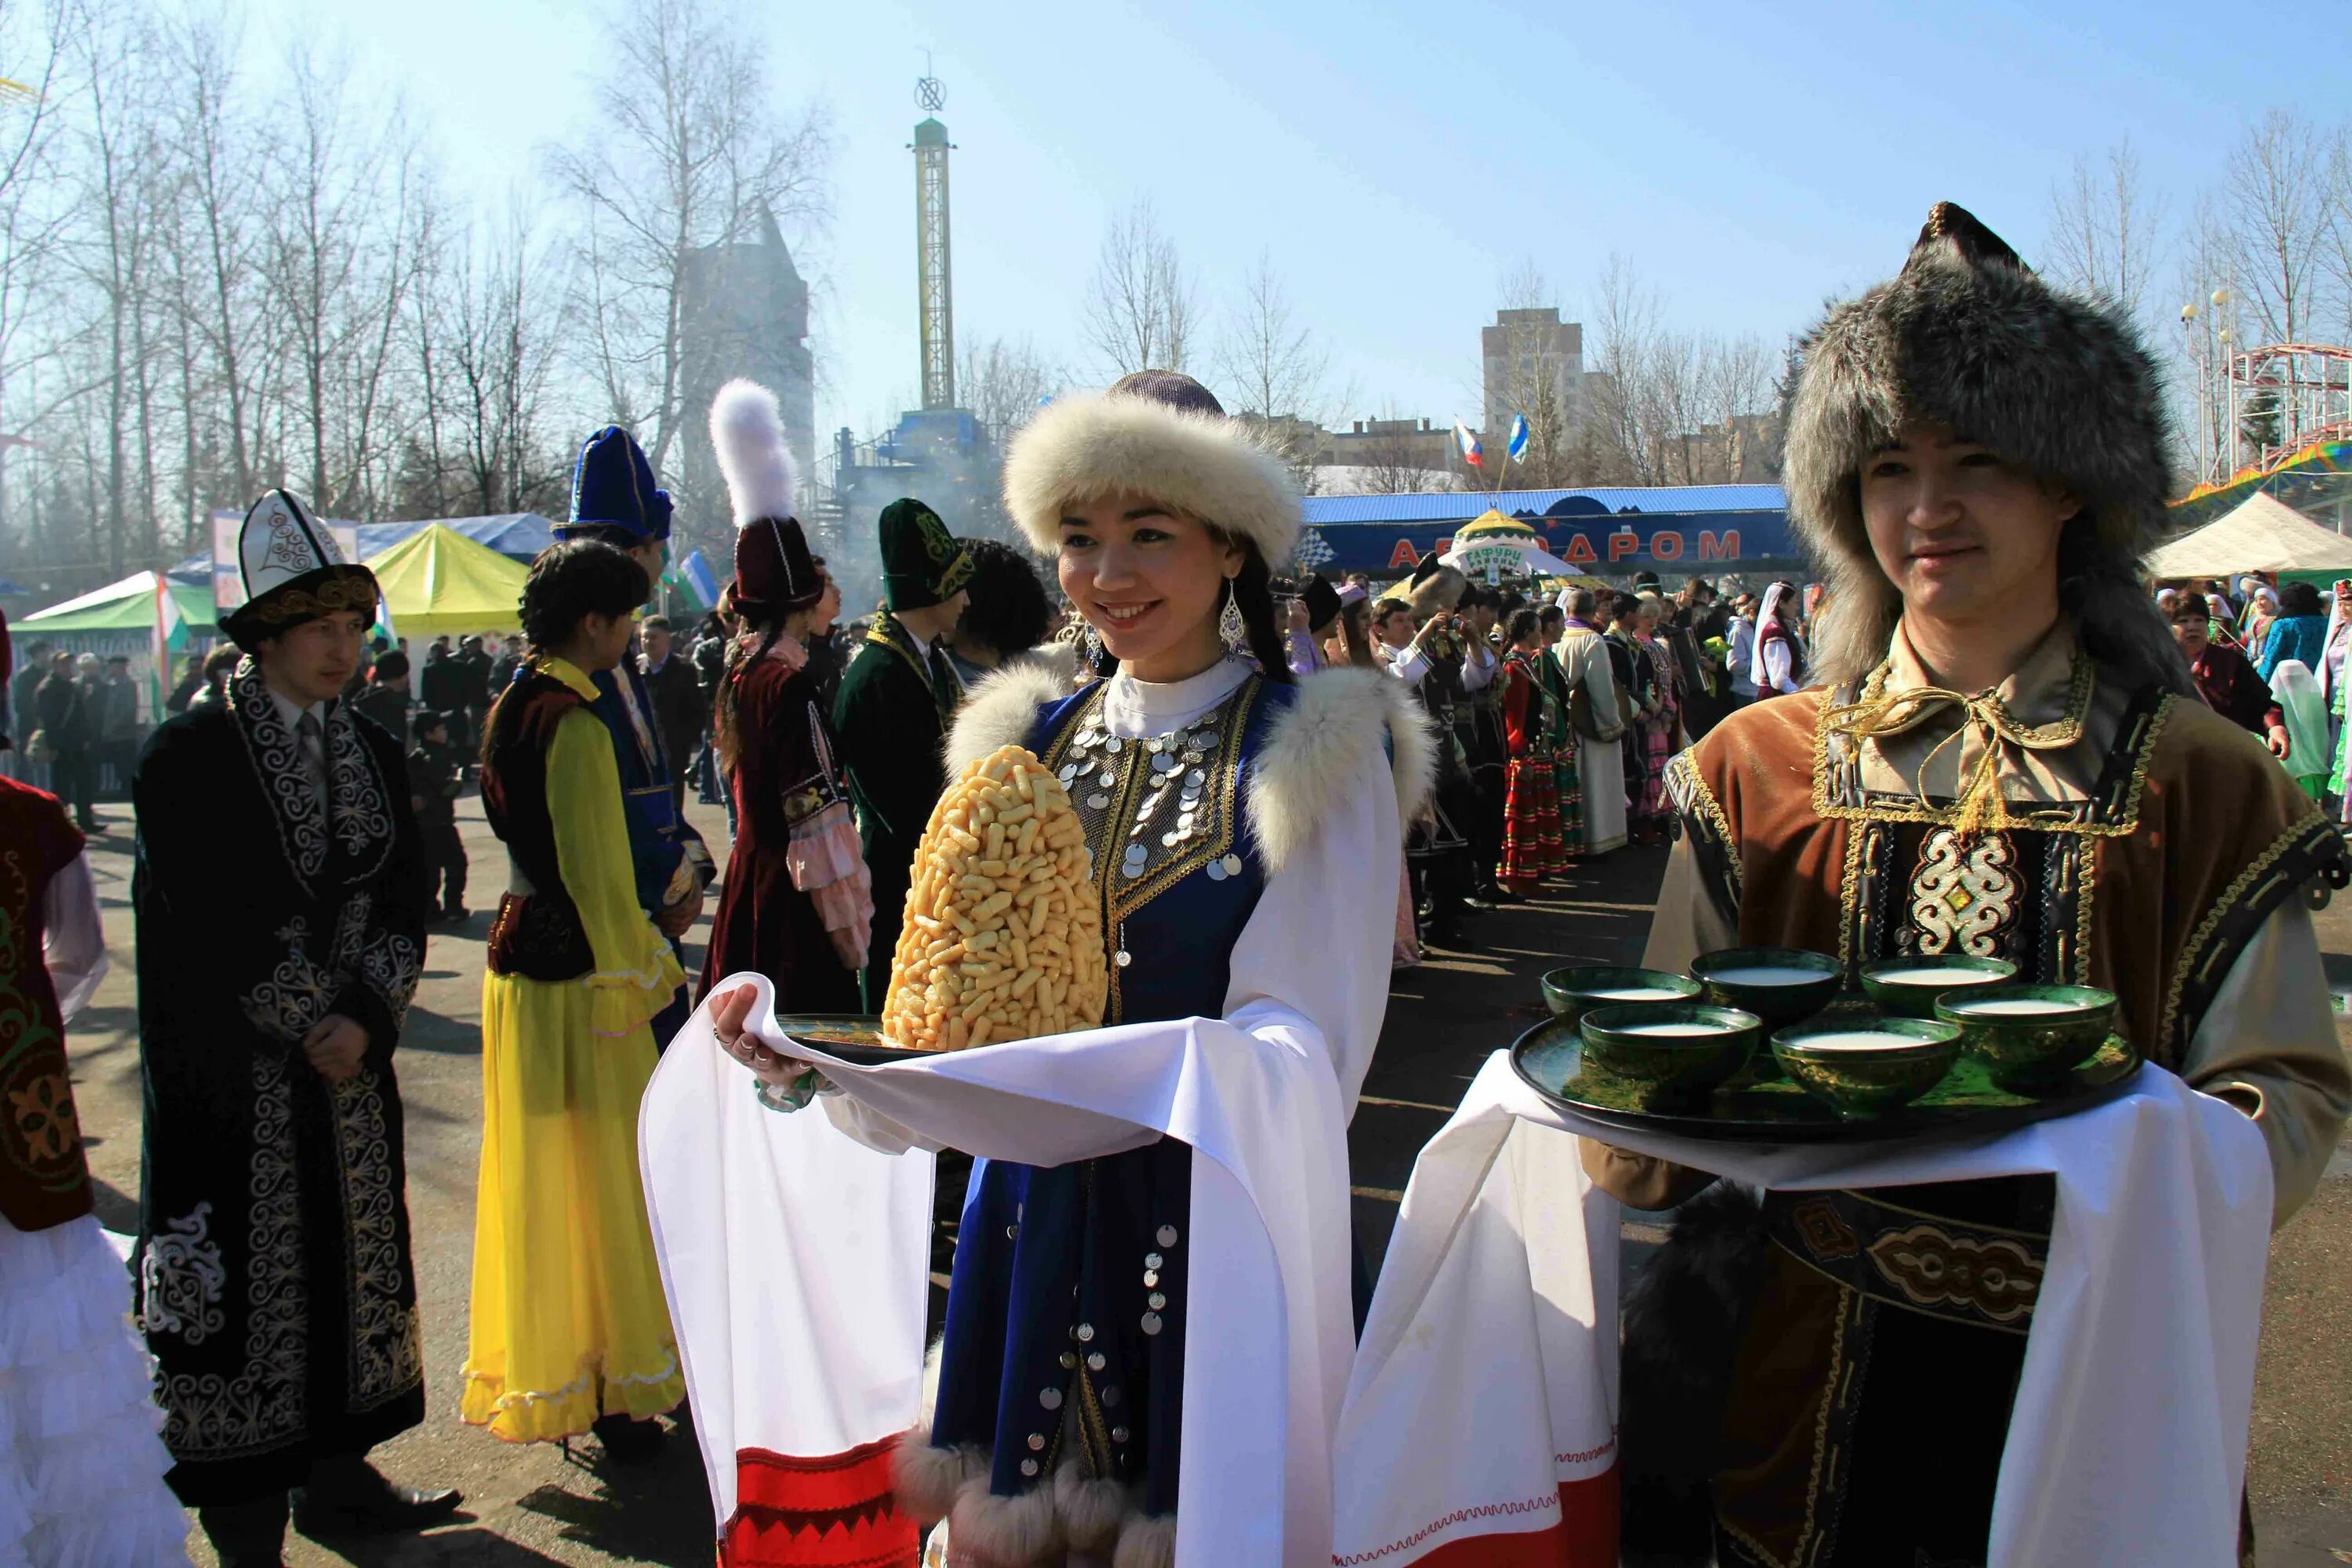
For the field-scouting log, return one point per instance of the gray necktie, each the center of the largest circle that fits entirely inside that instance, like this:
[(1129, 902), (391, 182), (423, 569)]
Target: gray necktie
[(313, 741)]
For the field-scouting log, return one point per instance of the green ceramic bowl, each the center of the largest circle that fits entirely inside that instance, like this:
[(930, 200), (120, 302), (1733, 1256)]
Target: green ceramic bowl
[(1868, 1066), (1781, 985), (1572, 993), (1672, 1050), (2030, 1036), (1910, 987)]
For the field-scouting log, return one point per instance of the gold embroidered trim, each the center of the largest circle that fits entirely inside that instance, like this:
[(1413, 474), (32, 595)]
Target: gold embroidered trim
[(2192, 952), (1850, 899), (2127, 823), (1683, 780), (2085, 864)]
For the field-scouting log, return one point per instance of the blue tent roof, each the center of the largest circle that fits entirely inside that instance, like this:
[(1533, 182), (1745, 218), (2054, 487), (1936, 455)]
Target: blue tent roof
[(1463, 505)]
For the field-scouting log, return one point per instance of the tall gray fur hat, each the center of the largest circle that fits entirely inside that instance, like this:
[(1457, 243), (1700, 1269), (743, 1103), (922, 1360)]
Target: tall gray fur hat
[(1966, 336)]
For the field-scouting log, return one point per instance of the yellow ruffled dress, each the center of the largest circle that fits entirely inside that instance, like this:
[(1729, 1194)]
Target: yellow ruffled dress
[(568, 1321)]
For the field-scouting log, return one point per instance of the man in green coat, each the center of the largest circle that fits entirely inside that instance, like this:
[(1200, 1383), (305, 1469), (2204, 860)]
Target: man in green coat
[(892, 714)]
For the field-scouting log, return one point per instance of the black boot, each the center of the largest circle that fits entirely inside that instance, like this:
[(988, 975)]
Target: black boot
[(247, 1534), (347, 1496), (628, 1441)]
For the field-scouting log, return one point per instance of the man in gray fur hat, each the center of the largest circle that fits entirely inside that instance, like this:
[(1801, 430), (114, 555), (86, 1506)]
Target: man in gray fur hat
[(2005, 759)]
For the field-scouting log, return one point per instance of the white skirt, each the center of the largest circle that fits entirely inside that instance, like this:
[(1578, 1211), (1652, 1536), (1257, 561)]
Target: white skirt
[(81, 1463)]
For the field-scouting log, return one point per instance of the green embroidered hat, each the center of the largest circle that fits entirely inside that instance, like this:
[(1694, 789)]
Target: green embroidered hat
[(922, 564)]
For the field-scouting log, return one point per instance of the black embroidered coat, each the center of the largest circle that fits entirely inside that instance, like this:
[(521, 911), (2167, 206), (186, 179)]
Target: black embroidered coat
[(275, 1283)]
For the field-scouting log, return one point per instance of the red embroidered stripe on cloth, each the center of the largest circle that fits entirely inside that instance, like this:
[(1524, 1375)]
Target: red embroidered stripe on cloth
[(1584, 1536), (836, 1511)]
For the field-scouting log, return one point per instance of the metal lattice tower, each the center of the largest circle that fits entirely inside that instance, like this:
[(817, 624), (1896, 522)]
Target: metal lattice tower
[(934, 289)]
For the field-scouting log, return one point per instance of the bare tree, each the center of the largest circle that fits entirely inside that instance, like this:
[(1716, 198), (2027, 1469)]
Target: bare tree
[(1396, 463), (1140, 303), (1736, 398), (685, 151), (1274, 369), (2105, 228), (1626, 327), (1003, 383), (2273, 196)]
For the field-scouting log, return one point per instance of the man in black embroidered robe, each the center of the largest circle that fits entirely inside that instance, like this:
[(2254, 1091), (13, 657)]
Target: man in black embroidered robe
[(280, 904), (892, 714)]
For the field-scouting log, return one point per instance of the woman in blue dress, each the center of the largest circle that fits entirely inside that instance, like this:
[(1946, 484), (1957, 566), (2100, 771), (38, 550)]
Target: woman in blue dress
[(1243, 828)]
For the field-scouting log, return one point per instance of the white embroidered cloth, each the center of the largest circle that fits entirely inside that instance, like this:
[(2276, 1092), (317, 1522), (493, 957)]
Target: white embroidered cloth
[(2127, 1444)]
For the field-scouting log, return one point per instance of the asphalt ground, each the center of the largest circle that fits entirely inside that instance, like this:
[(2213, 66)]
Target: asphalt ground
[(541, 1504)]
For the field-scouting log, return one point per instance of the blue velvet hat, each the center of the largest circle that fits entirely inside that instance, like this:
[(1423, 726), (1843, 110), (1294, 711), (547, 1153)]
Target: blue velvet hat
[(613, 488)]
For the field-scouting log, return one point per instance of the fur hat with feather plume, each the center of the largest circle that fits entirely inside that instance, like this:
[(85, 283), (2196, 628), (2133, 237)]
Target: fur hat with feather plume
[(773, 570), (1966, 336), (1157, 434)]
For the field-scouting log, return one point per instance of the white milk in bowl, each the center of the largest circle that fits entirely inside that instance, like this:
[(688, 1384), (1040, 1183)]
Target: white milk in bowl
[(1765, 974), (1951, 977), (2010, 1007), (1635, 993), (1856, 1040)]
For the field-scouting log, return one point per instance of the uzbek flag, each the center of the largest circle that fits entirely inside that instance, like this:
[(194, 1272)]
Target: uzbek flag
[(1517, 447), (1473, 453)]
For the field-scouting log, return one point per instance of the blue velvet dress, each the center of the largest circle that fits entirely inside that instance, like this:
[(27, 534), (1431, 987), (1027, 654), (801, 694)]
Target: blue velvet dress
[(1065, 1341)]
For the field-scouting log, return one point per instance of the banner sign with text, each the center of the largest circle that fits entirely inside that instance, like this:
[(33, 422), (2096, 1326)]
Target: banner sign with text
[(1603, 545)]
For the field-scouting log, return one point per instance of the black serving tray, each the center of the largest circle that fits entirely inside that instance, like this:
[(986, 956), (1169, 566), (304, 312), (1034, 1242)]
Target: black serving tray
[(854, 1038), (1755, 1109)]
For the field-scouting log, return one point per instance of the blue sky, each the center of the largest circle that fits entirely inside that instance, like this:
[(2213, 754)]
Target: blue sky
[(1395, 161)]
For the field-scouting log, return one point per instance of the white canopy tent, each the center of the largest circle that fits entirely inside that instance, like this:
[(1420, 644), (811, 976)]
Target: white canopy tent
[(2261, 534), (1495, 547)]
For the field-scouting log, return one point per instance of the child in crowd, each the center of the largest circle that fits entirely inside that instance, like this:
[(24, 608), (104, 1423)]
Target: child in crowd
[(437, 774)]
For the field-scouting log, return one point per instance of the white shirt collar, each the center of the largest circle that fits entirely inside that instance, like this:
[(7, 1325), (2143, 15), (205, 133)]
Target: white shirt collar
[(290, 711), (1133, 707)]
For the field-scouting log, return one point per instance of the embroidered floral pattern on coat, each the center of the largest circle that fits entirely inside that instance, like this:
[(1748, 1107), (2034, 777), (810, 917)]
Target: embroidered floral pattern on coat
[(387, 1350), (1964, 893), (180, 1278), (216, 1417)]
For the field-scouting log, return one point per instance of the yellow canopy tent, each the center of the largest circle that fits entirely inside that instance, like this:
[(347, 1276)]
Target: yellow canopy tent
[(438, 581)]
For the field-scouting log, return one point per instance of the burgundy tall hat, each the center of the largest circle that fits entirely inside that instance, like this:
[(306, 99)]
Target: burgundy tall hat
[(774, 573)]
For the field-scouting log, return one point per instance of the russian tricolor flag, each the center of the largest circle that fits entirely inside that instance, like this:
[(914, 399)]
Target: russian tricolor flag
[(1473, 453)]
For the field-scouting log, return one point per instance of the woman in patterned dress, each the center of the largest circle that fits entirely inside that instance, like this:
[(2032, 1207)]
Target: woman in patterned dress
[(1531, 827)]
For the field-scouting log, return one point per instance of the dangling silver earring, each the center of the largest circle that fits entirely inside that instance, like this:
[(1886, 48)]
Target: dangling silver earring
[(1090, 646), (1232, 630)]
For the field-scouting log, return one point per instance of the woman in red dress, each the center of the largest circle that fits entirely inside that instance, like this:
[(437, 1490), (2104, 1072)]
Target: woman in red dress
[(797, 906), (1532, 846)]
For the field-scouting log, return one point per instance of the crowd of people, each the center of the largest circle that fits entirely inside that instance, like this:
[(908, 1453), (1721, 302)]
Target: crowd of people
[(1286, 787)]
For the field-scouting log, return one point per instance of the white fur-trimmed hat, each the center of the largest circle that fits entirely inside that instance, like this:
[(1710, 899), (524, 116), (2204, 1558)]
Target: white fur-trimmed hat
[(1159, 434)]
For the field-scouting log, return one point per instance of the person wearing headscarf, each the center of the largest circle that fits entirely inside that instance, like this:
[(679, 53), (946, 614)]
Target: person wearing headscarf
[(892, 712), (2299, 632), (568, 1331), (1242, 826), (2296, 691), (280, 906), (797, 904), (1776, 662), (2254, 629), (82, 1470), (1982, 460)]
